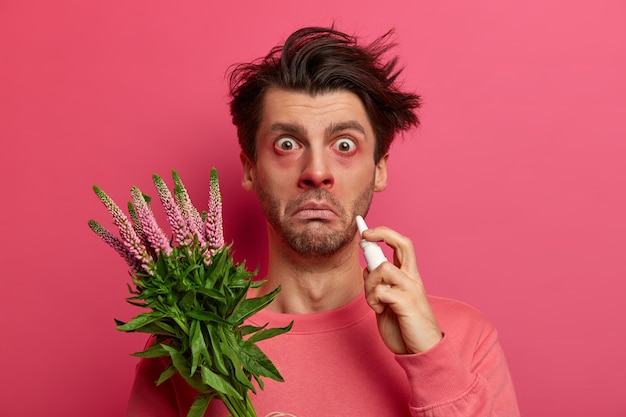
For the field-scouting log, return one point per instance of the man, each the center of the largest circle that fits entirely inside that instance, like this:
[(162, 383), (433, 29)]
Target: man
[(315, 119)]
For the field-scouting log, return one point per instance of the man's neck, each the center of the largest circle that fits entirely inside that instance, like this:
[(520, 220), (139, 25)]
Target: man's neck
[(311, 285)]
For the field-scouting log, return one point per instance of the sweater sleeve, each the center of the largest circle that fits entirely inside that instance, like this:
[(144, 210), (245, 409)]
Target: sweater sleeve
[(455, 380)]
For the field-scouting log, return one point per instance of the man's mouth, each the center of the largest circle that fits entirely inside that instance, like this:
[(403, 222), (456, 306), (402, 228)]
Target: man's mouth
[(314, 211)]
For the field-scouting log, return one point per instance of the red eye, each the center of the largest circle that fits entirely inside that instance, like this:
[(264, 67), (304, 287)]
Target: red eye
[(344, 145), (286, 144)]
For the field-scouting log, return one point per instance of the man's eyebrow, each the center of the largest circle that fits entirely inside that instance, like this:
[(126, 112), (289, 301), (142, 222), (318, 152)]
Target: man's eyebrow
[(286, 128), (331, 130), (341, 126)]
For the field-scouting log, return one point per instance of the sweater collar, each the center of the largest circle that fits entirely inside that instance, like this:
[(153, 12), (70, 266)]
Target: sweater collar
[(347, 315)]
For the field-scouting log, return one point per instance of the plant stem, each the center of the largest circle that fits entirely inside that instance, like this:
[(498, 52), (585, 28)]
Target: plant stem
[(239, 408)]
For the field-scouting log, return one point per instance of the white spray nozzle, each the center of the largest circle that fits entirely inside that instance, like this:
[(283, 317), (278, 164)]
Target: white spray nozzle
[(360, 223), (372, 253)]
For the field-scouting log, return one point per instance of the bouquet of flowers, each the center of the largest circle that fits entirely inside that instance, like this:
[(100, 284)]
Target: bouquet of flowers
[(194, 296)]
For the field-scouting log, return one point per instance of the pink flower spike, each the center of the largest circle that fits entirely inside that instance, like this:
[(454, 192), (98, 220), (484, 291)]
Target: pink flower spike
[(154, 235), (187, 209), (115, 243), (180, 228), (136, 224), (130, 239), (213, 225), (208, 256)]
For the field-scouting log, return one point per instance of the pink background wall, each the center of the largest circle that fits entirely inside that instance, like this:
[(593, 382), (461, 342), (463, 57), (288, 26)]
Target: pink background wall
[(513, 191)]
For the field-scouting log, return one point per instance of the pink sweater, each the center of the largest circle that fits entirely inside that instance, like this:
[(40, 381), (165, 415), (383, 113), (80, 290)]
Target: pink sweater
[(335, 364)]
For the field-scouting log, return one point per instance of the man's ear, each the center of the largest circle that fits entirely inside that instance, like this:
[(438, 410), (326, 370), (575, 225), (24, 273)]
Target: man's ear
[(249, 172), (380, 181)]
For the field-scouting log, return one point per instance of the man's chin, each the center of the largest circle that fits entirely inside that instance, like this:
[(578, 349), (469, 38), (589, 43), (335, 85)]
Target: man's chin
[(316, 243)]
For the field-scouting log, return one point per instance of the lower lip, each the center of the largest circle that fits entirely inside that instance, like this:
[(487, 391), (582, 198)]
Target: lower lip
[(312, 214)]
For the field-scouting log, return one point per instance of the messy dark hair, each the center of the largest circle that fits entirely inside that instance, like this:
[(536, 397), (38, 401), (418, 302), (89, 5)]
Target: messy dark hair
[(319, 60)]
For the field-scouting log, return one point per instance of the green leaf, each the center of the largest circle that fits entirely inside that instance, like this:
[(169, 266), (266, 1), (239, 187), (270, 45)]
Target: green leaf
[(199, 406), (269, 333), (252, 305), (255, 362), (161, 264), (218, 383), (131, 300), (190, 269), (249, 329), (167, 374), (166, 329), (154, 351), (179, 362), (238, 282), (157, 327), (259, 381), (139, 321), (196, 342), (186, 303), (259, 283), (218, 356), (198, 346), (229, 347), (238, 299), (242, 274), (207, 316), (214, 295), (219, 273)]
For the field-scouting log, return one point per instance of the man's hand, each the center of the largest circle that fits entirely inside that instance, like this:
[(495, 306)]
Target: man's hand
[(396, 293)]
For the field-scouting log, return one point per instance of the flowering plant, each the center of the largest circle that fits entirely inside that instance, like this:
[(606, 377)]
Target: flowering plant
[(195, 294)]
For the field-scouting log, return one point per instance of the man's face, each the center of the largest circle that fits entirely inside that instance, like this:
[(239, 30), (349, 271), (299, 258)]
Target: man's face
[(315, 169)]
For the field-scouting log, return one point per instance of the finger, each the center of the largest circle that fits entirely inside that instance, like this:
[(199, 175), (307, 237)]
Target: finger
[(400, 297), (388, 275), (378, 297), (404, 254)]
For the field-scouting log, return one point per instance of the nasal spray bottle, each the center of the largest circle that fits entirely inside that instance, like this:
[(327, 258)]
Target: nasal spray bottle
[(373, 254)]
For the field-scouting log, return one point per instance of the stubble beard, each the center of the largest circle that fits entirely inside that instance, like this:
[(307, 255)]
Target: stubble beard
[(315, 240)]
